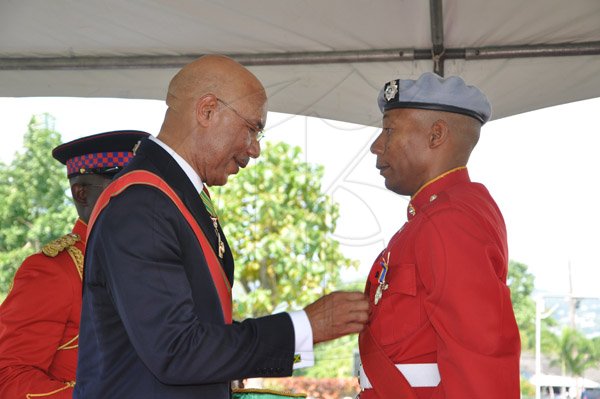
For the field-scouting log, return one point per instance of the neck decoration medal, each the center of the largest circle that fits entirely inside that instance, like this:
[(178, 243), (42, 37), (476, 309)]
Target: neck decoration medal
[(205, 196), (382, 284), (221, 245)]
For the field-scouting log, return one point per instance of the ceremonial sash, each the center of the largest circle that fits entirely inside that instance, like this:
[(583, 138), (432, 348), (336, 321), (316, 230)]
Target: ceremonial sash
[(387, 380), (150, 179)]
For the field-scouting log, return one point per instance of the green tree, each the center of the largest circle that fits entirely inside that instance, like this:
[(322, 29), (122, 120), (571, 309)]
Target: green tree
[(527, 389), (596, 347), (521, 284), (34, 205), (573, 351), (279, 225), (335, 358)]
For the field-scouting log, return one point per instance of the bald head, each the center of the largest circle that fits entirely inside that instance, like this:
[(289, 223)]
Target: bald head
[(216, 107), (215, 74)]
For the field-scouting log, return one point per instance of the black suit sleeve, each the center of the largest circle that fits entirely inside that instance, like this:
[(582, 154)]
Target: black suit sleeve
[(163, 302)]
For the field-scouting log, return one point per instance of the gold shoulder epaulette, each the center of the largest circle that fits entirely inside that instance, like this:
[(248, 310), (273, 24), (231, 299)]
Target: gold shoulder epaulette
[(53, 248)]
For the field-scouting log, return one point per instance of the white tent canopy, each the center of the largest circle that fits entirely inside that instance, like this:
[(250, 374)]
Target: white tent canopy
[(319, 58)]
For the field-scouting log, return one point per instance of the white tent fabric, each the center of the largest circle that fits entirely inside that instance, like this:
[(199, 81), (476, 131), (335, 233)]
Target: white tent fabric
[(131, 49)]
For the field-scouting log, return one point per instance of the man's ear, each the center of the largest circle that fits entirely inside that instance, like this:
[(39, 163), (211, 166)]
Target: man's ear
[(439, 133), (79, 193), (205, 108)]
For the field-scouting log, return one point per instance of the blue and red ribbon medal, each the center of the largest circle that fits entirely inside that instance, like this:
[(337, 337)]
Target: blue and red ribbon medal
[(382, 274)]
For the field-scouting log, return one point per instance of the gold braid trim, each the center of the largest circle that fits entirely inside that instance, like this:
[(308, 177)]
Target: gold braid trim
[(67, 345), (53, 248), (436, 179), (68, 385), (77, 257)]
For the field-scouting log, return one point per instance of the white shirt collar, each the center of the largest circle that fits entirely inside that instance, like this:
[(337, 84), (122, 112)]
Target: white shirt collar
[(187, 168)]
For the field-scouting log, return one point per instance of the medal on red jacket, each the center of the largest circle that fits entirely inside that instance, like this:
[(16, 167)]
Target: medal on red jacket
[(382, 274)]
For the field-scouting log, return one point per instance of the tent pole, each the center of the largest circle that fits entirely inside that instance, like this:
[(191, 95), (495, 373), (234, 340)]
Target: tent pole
[(437, 36), (301, 58)]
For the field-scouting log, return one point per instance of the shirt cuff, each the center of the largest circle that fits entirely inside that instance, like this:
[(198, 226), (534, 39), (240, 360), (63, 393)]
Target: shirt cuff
[(304, 355)]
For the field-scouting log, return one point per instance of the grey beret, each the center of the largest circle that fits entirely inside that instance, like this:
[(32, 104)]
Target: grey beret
[(433, 92)]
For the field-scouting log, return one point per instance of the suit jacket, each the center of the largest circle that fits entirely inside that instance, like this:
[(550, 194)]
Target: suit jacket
[(39, 321), (151, 324)]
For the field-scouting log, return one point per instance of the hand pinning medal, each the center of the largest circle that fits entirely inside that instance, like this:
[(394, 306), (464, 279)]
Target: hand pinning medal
[(382, 284)]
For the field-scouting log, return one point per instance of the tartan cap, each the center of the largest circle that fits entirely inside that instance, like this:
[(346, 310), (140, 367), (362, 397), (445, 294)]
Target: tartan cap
[(103, 153)]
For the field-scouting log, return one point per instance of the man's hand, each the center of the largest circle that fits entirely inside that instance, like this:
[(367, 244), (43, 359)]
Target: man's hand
[(337, 314)]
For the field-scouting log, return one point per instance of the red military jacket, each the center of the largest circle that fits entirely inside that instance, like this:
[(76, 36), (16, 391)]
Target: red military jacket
[(446, 300), (39, 321)]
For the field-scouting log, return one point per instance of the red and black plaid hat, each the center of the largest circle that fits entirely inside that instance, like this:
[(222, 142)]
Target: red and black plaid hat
[(103, 153)]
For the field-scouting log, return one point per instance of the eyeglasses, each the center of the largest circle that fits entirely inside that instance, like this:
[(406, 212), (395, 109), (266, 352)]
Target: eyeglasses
[(255, 131)]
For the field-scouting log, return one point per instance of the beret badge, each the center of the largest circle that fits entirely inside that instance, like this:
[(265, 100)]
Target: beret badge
[(391, 89)]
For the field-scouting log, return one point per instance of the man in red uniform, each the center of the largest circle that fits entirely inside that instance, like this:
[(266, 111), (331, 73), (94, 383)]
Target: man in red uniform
[(39, 320), (441, 323)]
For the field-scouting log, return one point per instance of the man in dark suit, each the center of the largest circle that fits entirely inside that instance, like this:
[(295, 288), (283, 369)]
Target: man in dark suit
[(156, 303)]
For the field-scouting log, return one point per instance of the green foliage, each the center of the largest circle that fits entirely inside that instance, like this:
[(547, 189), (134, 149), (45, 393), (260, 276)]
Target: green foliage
[(596, 347), (333, 359), (573, 351), (521, 284), (321, 388), (34, 206), (279, 225), (527, 389)]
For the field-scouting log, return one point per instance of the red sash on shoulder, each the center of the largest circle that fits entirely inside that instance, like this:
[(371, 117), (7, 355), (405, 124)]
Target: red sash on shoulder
[(150, 179)]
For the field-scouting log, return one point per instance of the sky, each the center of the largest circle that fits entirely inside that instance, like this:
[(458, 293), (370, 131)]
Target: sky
[(542, 168)]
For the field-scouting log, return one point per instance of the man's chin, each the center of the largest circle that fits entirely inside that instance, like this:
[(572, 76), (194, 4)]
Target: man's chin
[(217, 180), (221, 182), (392, 186)]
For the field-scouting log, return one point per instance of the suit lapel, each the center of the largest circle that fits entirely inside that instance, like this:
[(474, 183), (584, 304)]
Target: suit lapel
[(166, 167)]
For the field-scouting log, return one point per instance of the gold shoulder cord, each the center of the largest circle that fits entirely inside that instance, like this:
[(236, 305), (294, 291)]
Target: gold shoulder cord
[(53, 248), (68, 385), (77, 257), (69, 344), (66, 242)]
